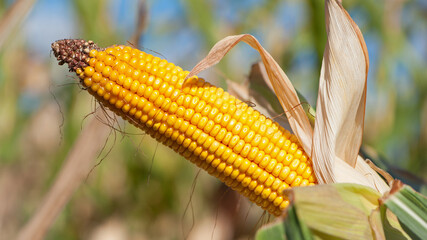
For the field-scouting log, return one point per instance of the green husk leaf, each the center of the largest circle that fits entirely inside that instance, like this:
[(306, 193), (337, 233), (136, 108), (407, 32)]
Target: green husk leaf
[(423, 190), (273, 231), (392, 228), (364, 198), (409, 207), (296, 229), (376, 224), (336, 211)]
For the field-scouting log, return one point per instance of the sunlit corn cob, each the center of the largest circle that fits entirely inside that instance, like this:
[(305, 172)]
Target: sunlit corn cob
[(219, 133)]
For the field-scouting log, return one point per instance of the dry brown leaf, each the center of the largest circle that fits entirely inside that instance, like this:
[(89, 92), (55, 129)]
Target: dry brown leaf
[(342, 95), (13, 17), (371, 175), (380, 171), (341, 104), (282, 86), (337, 137), (75, 169)]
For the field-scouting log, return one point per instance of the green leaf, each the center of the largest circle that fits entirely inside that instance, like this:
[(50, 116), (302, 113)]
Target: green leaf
[(308, 109), (410, 208), (261, 90), (273, 231), (296, 229), (392, 228), (336, 211)]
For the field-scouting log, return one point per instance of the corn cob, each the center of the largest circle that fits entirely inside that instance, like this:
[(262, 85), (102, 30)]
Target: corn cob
[(219, 133)]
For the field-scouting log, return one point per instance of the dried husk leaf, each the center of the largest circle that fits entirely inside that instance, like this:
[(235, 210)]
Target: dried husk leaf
[(283, 88), (362, 174), (371, 175), (74, 171), (387, 176), (341, 101), (342, 95)]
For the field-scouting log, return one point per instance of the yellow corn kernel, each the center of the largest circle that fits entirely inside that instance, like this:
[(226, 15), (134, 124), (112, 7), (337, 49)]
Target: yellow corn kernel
[(229, 139)]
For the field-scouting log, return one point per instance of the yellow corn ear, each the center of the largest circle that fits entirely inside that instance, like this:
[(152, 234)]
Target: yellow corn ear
[(219, 133)]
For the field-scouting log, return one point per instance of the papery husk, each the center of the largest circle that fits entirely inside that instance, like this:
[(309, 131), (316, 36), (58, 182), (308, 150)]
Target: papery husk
[(362, 174), (337, 137), (256, 89), (283, 88), (341, 103), (342, 94), (371, 175)]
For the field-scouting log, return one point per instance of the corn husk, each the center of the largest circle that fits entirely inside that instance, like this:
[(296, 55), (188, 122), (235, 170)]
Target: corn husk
[(282, 86), (273, 230), (335, 142), (409, 207), (342, 95), (335, 211)]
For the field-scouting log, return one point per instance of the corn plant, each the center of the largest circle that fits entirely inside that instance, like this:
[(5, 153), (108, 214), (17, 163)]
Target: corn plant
[(251, 153)]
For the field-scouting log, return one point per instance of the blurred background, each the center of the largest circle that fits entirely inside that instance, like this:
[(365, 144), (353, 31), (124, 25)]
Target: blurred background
[(142, 190)]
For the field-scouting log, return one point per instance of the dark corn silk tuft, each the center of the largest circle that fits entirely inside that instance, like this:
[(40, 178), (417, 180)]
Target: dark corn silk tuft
[(74, 52), (219, 133)]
